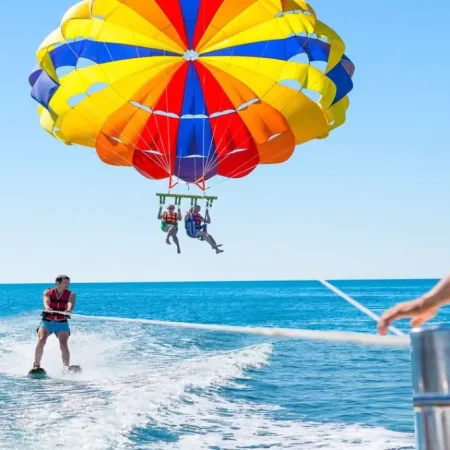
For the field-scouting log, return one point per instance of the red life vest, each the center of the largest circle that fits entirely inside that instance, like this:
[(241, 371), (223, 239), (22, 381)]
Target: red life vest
[(58, 303), (171, 218), (197, 219)]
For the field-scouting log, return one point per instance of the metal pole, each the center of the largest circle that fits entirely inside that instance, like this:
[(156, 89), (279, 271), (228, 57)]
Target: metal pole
[(430, 359)]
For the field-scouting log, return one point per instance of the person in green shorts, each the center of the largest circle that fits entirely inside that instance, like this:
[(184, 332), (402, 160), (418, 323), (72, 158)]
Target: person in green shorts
[(169, 224)]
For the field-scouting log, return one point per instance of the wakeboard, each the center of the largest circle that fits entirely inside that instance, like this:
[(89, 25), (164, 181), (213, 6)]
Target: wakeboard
[(40, 373), (37, 372), (74, 369)]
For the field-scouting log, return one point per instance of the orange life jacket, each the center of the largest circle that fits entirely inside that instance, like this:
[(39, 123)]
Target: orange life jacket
[(171, 218)]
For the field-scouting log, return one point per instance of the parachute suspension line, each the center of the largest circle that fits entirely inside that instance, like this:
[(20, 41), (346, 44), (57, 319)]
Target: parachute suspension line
[(164, 162), (204, 124), (166, 155), (212, 143), (212, 163), (159, 160), (93, 150), (239, 170), (201, 182), (93, 112), (236, 172), (172, 184), (358, 305), (291, 333)]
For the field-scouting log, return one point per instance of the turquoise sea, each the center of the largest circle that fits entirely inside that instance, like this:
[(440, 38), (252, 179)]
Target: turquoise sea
[(154, 387)]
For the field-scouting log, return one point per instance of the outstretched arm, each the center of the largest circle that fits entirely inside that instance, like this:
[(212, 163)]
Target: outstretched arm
[(421, 309), (160, 213), (179, 217), (207, 218), (440, 294)]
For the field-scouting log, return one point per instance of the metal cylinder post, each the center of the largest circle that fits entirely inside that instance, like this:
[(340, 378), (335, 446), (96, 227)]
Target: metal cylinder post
[(430, 360)]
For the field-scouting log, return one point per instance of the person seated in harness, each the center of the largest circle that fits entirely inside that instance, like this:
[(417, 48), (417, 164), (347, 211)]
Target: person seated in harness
[(169, 224), (196, 229)]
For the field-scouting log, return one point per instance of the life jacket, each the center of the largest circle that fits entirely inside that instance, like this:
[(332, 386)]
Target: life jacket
[(197, 219), (171, 218), (58, 304), (194, 224)]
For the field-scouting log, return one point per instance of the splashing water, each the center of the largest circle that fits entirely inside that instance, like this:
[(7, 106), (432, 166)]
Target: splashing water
[(143, 387)]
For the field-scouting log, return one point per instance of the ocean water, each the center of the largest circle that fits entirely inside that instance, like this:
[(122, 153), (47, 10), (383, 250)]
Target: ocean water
[(153, 387)]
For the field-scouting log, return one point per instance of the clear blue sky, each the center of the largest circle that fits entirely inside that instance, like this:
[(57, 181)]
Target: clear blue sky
[(370, 201)]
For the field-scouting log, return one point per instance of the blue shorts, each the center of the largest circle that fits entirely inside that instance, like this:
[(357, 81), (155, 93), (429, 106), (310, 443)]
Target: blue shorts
[(54, 326)]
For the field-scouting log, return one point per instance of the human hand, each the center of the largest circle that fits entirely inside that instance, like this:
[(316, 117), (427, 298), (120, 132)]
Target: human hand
[(419, 310)]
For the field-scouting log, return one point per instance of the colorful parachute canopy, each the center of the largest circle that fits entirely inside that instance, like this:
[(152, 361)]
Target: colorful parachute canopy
[(192, 88)]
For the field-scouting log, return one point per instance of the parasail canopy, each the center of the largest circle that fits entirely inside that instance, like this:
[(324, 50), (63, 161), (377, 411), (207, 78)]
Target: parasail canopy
[(192, 89)]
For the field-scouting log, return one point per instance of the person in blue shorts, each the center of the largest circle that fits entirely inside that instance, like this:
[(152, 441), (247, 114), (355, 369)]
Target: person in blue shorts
[(59, 298), (195, 229)]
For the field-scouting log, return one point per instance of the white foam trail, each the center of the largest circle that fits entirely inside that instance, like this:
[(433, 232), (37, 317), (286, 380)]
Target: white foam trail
[(294, 436), (132, 379), (106, 421), (247, 428), (103, 405)]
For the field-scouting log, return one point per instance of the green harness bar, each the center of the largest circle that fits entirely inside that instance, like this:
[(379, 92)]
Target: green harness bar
[(194, 199)]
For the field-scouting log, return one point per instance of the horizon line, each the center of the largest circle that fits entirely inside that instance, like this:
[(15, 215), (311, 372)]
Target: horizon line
[(221, 281)]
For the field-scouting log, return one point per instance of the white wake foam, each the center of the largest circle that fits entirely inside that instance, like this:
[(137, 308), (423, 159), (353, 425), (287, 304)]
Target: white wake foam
[(138, 379)]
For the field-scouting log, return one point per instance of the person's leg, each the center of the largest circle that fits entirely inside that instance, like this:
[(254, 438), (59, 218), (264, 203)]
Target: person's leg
[(62, 332), (210, 240), (173, 232), (63, 338), (43, 334), (166, 228)]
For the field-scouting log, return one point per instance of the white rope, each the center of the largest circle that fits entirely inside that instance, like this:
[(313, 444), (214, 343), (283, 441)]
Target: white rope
[(358, 305), (315, 335)]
